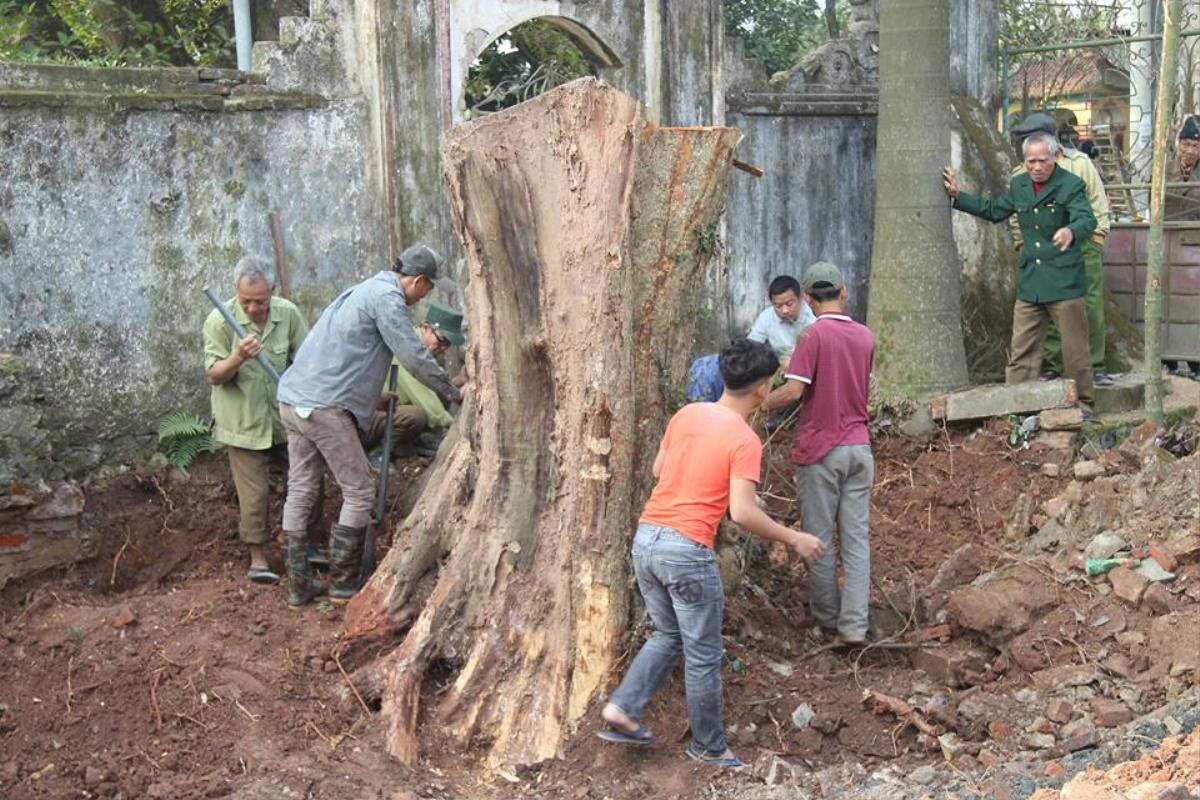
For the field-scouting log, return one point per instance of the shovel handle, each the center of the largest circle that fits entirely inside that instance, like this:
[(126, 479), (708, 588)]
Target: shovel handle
[(241, 332)]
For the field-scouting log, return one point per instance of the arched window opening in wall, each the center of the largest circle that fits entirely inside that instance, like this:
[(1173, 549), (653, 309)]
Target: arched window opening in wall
[(531, 58)]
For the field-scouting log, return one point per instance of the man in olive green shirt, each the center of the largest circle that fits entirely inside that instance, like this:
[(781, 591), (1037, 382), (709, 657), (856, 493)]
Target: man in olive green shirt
[(1055, 217), (418, 408), (245, 413), (1091, 248)]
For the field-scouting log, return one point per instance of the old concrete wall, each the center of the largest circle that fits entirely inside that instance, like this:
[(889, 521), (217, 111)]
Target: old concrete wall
[(812, 129), (122, 192)]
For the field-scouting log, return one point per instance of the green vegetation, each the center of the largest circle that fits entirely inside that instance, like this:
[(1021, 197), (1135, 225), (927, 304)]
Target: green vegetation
[(780, 32), (183, 436), (138, 33), (531, 58)]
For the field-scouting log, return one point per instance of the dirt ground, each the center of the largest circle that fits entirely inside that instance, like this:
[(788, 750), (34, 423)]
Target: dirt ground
[(156, 670)]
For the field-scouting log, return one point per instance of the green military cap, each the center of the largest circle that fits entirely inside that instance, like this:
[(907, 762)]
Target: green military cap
[(1190, 129), (447, 322), (1035, 122)]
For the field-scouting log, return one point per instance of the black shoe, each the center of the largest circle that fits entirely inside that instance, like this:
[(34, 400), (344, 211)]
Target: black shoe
[(427, 443), (1050, 375), (1100, 378)]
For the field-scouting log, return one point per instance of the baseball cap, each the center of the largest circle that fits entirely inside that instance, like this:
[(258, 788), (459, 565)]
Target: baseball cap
[(421, 259), (823, 272), (1036, 122)]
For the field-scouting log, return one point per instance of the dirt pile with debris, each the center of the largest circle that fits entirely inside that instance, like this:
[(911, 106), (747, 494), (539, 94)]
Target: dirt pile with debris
[(997, 667)]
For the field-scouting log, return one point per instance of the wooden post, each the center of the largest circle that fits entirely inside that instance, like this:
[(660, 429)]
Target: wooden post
[(281, 270), (1156, 266)]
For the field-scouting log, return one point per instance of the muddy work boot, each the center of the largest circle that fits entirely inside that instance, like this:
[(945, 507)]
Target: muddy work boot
[(302, 587), (345, 561)]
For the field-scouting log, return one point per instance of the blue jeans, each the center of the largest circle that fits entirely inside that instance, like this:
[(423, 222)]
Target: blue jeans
[(684, 596)]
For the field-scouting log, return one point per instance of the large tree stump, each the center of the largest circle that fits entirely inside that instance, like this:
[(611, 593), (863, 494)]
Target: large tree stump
[(587, 230)]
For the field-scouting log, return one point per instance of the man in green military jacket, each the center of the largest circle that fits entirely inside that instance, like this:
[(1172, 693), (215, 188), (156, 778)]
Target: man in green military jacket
[(1055, 217), (1092, 248), (245, 413)]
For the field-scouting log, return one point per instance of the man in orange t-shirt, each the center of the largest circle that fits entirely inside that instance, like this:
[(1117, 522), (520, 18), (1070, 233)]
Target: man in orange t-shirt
[(708, 462)]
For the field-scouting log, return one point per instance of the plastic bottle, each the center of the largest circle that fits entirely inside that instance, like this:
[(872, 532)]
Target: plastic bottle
[(1099, 566)]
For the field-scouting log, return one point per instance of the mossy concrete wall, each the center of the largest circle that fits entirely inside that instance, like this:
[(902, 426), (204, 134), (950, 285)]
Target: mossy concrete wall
[(122, 193)]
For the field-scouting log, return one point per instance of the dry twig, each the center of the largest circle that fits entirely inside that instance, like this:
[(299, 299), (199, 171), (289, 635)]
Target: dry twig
[(366, 709)]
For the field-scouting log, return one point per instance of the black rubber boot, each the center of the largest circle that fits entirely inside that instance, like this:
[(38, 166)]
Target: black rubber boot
[(302, 587), (345, 561)]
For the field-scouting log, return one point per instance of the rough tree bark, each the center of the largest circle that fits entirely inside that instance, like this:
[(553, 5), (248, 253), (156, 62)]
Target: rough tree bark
[(914, 307), (587, 230)]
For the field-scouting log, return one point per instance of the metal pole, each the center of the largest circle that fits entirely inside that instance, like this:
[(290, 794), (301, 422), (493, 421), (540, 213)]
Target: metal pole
[(261, 358), (368, 558), (1156, 265), (241, 33)]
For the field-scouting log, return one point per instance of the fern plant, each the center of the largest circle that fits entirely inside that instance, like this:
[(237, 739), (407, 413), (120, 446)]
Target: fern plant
[(182, 436)]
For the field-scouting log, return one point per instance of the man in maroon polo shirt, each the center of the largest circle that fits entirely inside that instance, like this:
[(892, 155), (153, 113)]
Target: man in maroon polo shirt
[(830, 370)]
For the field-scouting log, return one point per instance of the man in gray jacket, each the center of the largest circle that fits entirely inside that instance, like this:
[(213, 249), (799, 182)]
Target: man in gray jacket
[(331, 392)]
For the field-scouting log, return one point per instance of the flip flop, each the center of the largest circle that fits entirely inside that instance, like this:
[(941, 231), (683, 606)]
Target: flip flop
[(726, 760), (262, 575), (640, 738)]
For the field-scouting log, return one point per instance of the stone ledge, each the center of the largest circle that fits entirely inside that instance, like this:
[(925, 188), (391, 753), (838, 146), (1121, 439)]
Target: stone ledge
[(109, 80), (816, 103), (184, 102)]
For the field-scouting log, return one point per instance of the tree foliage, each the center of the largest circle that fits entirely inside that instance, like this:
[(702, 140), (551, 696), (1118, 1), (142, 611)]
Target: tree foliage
[(1038, 23), (524, 62), (781, 31), (144, 33)]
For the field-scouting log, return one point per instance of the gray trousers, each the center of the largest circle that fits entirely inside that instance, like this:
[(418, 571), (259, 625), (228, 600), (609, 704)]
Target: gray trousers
[(835, 495), (328, 436)]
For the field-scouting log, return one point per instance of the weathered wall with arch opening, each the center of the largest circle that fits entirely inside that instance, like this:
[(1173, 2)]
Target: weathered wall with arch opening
[(124, 191)]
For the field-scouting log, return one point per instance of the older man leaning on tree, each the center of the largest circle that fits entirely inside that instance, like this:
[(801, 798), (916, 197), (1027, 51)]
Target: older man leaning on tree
[(245, 413), (1092, 249), (1055, 216)]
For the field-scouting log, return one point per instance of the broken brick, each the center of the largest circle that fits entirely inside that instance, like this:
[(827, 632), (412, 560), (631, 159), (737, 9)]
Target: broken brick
[(999, 730), (1061, 419), (949, 665), (1157, 599), (1185, 547), (1059, 710), (125, 617), (1053, 770), (1163, 556), (927, 634), (1110, 713), (1079, 735), (1087, 470), (1128, 585)]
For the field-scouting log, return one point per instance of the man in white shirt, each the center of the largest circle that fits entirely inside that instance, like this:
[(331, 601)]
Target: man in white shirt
[(781, 323)]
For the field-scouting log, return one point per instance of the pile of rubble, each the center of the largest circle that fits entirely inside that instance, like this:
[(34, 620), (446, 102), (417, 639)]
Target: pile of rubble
[(1070, 647)]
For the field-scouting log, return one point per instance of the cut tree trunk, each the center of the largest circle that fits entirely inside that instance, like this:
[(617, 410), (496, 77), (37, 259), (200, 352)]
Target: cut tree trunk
[(587, 230)]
